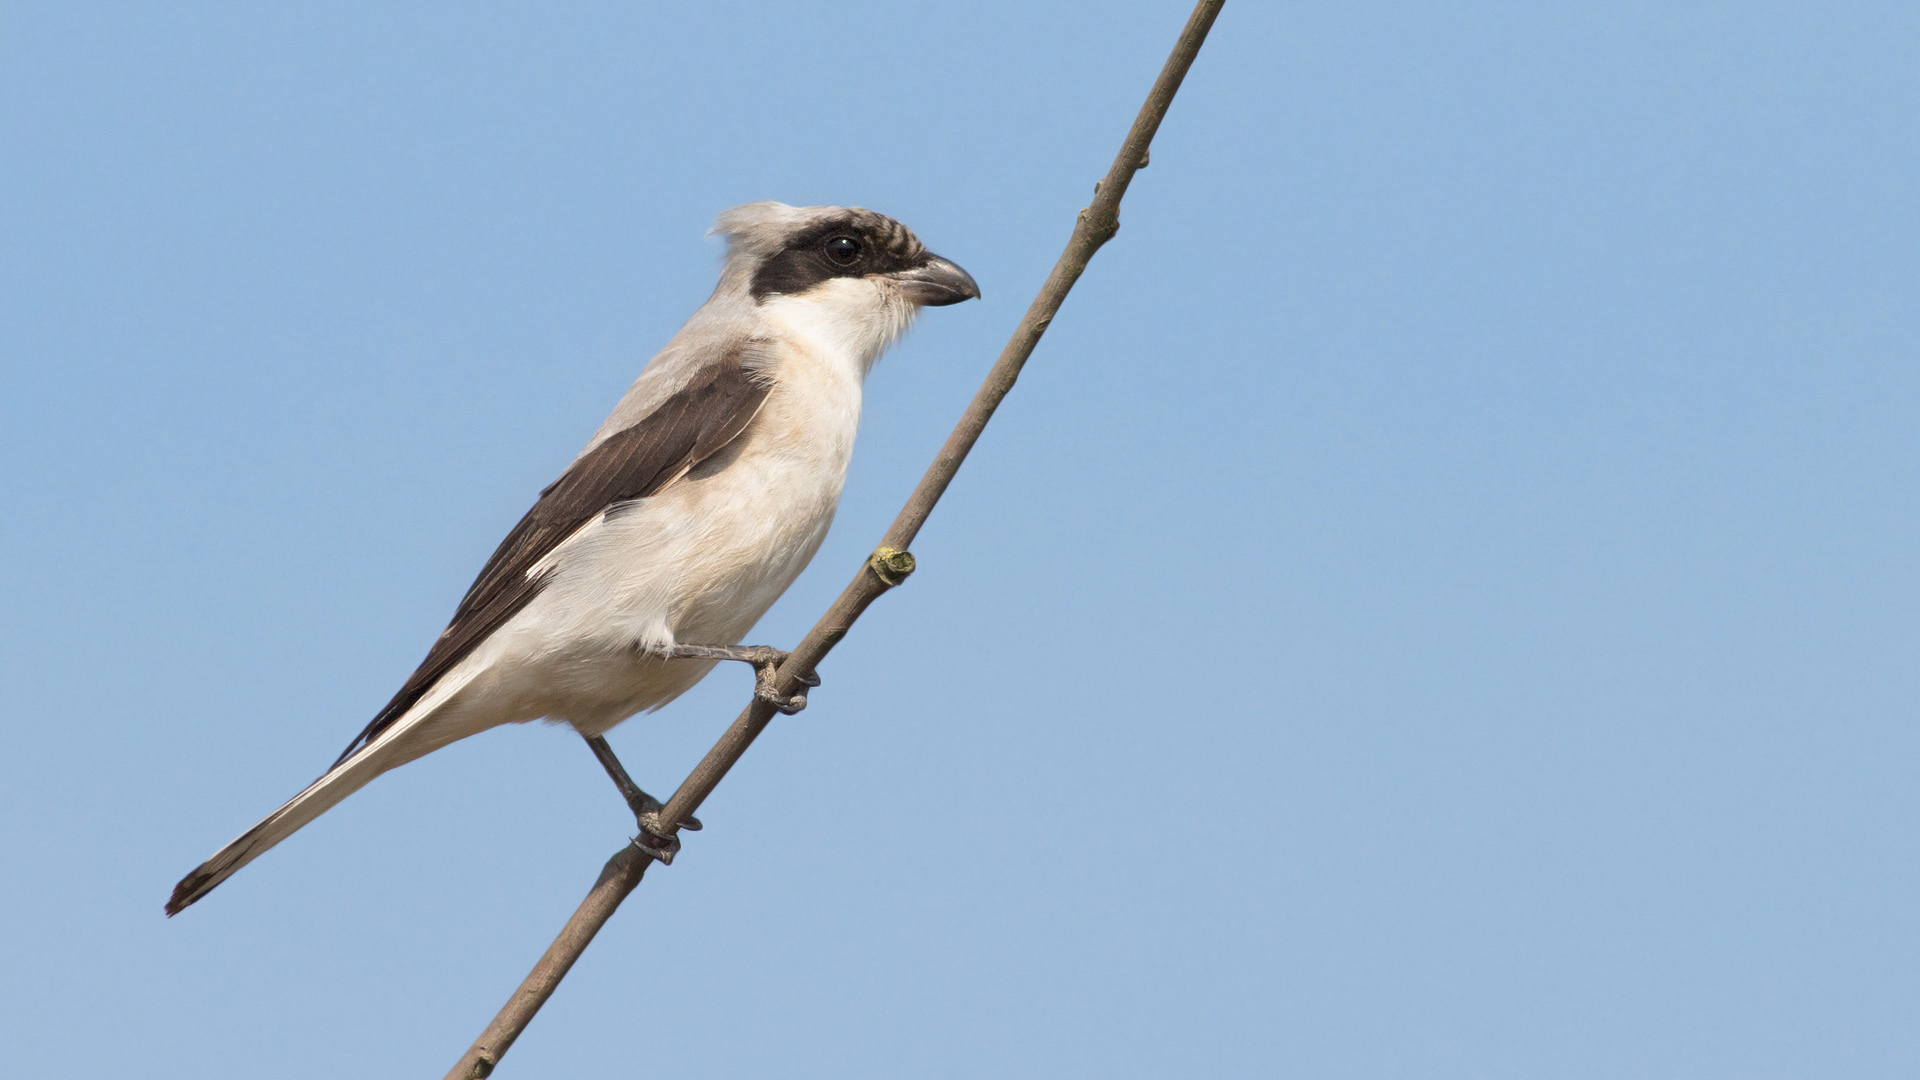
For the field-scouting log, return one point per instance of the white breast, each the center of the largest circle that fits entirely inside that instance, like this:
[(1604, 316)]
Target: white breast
[(705, 558)]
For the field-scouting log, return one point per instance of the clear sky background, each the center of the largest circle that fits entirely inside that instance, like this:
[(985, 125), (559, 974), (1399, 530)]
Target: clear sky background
[(1442, 602)]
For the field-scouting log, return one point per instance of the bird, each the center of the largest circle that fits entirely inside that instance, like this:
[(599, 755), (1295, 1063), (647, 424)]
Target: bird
[(688, 513)]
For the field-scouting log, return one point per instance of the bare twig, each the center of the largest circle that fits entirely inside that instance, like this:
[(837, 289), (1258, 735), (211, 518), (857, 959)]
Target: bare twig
[(889, 565)]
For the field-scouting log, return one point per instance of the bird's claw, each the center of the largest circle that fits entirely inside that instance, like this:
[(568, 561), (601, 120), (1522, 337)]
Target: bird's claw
[(660, 847), (654, 838), (786, 706), (766, 663)]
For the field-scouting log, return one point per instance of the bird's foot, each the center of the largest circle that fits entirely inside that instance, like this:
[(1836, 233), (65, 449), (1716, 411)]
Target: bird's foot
[(766, 661), (656, 838)]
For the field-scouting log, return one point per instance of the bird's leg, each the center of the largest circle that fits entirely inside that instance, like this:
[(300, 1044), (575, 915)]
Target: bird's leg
[(765, 660), (654, 839)]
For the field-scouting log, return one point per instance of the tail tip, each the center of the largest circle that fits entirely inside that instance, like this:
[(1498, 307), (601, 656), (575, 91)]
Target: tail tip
[(191, 888)]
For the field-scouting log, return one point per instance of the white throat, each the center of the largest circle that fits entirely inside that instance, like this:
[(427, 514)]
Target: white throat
[(848, 322)]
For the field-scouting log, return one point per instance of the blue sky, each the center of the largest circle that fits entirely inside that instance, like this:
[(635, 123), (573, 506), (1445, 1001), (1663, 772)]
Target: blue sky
[(1441, 601)]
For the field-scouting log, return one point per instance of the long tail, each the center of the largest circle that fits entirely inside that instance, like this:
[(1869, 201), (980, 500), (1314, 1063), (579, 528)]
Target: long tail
[(320, 796), (418, 732)]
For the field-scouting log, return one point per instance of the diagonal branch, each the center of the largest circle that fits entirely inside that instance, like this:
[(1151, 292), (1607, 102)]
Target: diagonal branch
[(889, 565)]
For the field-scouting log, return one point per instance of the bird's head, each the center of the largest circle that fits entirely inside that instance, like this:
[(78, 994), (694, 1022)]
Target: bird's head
[(845, 267), (795, 250)]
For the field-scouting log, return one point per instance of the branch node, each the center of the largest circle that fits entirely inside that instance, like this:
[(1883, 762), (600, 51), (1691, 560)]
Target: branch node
[(891, 565), (1100, 227)]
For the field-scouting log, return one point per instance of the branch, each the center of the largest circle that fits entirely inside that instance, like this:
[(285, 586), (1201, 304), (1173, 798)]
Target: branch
[(889, 565)]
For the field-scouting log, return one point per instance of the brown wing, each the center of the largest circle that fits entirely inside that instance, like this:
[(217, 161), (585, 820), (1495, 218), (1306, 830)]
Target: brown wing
[(686, 429)]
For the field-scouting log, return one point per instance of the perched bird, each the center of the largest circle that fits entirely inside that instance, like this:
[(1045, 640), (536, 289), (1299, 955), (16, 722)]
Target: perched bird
[(688, 513)]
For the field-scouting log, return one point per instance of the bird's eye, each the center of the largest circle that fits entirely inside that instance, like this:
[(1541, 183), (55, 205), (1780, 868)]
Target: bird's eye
[(844, 250)]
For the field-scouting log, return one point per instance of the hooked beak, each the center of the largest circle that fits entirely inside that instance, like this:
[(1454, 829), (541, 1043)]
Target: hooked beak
[(937, 283)]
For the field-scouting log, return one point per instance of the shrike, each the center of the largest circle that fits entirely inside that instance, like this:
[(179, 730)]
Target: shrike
[(690, 511)]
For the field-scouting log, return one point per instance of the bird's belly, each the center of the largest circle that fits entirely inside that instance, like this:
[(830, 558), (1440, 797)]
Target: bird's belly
[(700, 563)]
